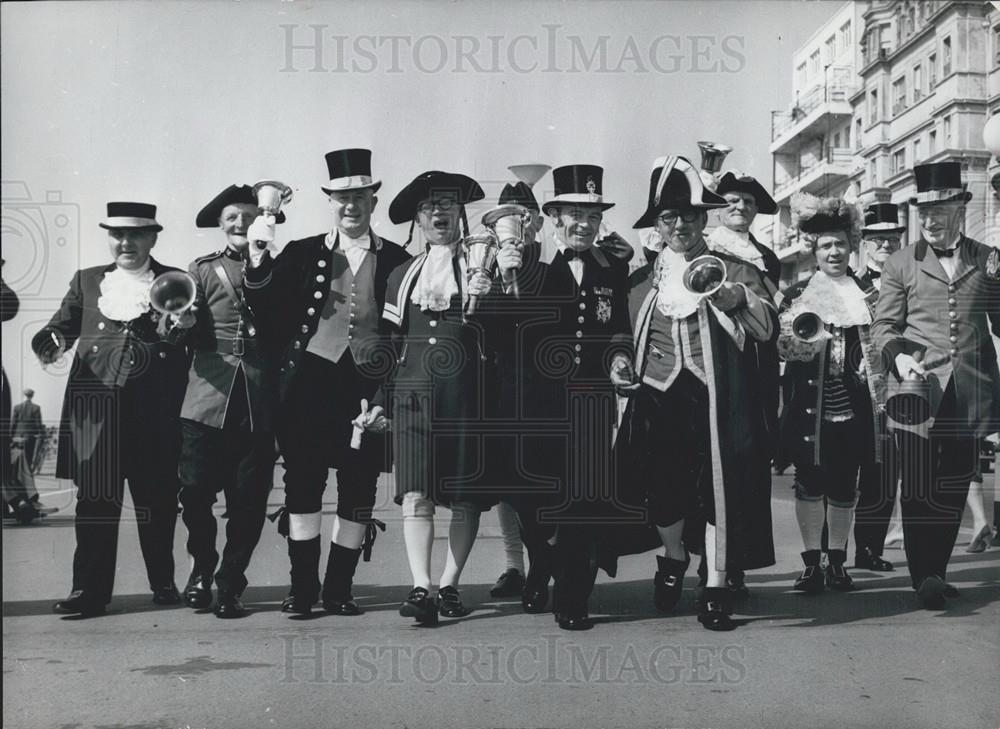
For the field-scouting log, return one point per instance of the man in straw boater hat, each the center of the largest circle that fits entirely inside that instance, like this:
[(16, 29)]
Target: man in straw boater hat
[(227, 419), (435, 395), (324, 294), (569, 333), (939, 300), (694, 429), (881, 236), (119, 419)]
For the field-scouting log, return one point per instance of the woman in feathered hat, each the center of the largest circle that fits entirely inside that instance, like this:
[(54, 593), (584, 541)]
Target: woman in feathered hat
[(825, 339)]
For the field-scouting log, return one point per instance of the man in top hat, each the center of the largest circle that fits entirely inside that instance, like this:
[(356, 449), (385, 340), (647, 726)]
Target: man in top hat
[(569, 333), (26, 424), (694, 429), (881, 236), (324, 295), (227, 418), (938, 301), (120, 412)]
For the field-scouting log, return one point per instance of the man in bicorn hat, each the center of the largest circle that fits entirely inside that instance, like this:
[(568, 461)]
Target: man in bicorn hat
[(570, 340), (120, 411), (325, 294), (938, 302), (881, 236), (694, 427), (227, 419)]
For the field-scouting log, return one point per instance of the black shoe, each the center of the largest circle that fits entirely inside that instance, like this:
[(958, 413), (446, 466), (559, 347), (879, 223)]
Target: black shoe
[(866, 559), (737, 585), (420, 606), (714, 610), (297, 605), (931, 592), (78, 604), (509, 584), (574, 621), (229, 607), (450, 603), (198, 591), (950, 590), (838, 579), (535, 598), (811, 580), (166, 595), (995, 539), (342, 607), (668, 583)]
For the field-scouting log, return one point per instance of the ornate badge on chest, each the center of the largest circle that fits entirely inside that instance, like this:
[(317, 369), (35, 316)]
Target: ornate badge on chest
[(993, 265)]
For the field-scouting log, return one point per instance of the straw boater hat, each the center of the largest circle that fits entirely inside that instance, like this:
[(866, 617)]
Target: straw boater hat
[(676, 184), (577, 185), (208, 216), (882, 218), (131, 215), (939, 182), (350, 169)]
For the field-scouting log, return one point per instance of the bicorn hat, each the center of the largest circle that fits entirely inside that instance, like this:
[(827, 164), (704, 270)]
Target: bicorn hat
[(676, 184)]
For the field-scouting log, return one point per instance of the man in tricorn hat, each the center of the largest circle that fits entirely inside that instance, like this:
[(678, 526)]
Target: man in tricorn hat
[(227, 419), (119, 419), (694, 427), (938, 302), (745, 198), (324, 293)]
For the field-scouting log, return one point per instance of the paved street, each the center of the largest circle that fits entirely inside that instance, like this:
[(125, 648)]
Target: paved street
[(865, 659)]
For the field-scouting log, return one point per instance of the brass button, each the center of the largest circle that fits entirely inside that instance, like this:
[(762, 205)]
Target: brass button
[(291, 363), (432, 340), (951, 302), (811, 383), (304, 328), (953, 338), (350, 326), (100, 325), (577, 360), (349, 337), (954, 352), (251, 330), (320, 278), (163, 355), (577, 347), (93, 348), (810, 411), (579, 319), (297, 344), (579, 334), (321, 264), (582, 306), (583, 293), (951, 289), (311, 311), (808, 438), (953, 314), (317, 294), (433, 322)]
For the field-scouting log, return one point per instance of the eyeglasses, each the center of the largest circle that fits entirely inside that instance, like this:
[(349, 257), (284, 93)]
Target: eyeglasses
[(670, 217), (444, 204)]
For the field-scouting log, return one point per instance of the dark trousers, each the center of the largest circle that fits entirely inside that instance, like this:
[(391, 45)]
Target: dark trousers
[(316, 434), (127, 448), (844, 451), (877, 488), (239, 461)]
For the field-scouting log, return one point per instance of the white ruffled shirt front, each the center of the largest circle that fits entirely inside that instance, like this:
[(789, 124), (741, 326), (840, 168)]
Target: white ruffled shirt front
[(672, 298), (436, 283), (837, 301), (125, 294), (724, 240)]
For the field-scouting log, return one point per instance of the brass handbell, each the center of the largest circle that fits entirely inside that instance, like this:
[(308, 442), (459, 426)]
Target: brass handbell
[(481, 256), (713, 154)]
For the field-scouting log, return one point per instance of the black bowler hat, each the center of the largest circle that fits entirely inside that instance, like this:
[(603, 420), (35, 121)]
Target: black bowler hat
[(350, 169), (518, 194), (131, 215), (676, 185), (882, 218), (208, 216), (403, 208), (577, 185), (737, 182), (939, 182)]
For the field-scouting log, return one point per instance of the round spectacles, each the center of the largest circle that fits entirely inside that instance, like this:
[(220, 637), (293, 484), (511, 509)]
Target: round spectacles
[(444, 204), (688, 216)]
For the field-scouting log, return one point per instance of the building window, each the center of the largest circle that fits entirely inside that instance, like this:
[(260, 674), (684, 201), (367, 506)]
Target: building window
[(911, 24), (831, 49), (857, 134), (918, 82), (947, 131), (898, 161), (996, 46), (916, 150), (946, 57), (899, 96), (845, 37), (931, 72), (873, 110), (814, 64), (932, 142), (872, 174), (800, 76)]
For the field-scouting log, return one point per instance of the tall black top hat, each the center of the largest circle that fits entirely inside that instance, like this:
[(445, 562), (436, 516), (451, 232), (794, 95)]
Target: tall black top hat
[(131, 215), (737, 182), (403, 208), (939, 182), (577, 185), (208, 216), (882, 218), (675, 185), (350, 169), (518, 194)]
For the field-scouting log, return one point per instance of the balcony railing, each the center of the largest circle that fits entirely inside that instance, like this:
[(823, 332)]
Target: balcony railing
[(839, 87), (840, 156)]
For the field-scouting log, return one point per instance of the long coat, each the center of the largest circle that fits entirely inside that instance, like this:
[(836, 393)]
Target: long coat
[(113, 356), (921, 310), (741, 481)]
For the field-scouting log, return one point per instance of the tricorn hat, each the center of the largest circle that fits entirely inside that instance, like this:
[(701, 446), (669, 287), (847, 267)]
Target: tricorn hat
[(882, 218), (208, 216), (403, 208), (676, 184), (733, 181), (131, 215), (939, 182), (350, 169), (577, 185), (518, 194)]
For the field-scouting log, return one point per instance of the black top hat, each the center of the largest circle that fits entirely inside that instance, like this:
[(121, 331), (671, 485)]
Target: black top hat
[(675, 185), (882, 218), (208, 216), (736, 182), (578, 185), (518, 194), (939, 182), (350, 169), (403, 208), (131, 215)]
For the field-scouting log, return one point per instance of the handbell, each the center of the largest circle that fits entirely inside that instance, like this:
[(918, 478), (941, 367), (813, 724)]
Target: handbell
[(704, 275), (173, 292), (808, 327), (507, 222), (911, 403), (713, 155), (481, 256), (271, 195)]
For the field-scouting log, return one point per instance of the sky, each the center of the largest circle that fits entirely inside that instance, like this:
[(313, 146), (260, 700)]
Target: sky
[(170, 102)]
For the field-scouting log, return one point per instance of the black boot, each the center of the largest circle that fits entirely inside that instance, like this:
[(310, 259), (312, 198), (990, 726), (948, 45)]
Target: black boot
[(736, 582), (836, 576), (865, 558), (535, 598), (714, 609), (668, 583), (304, 556), (340, 567), (811, 579)]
